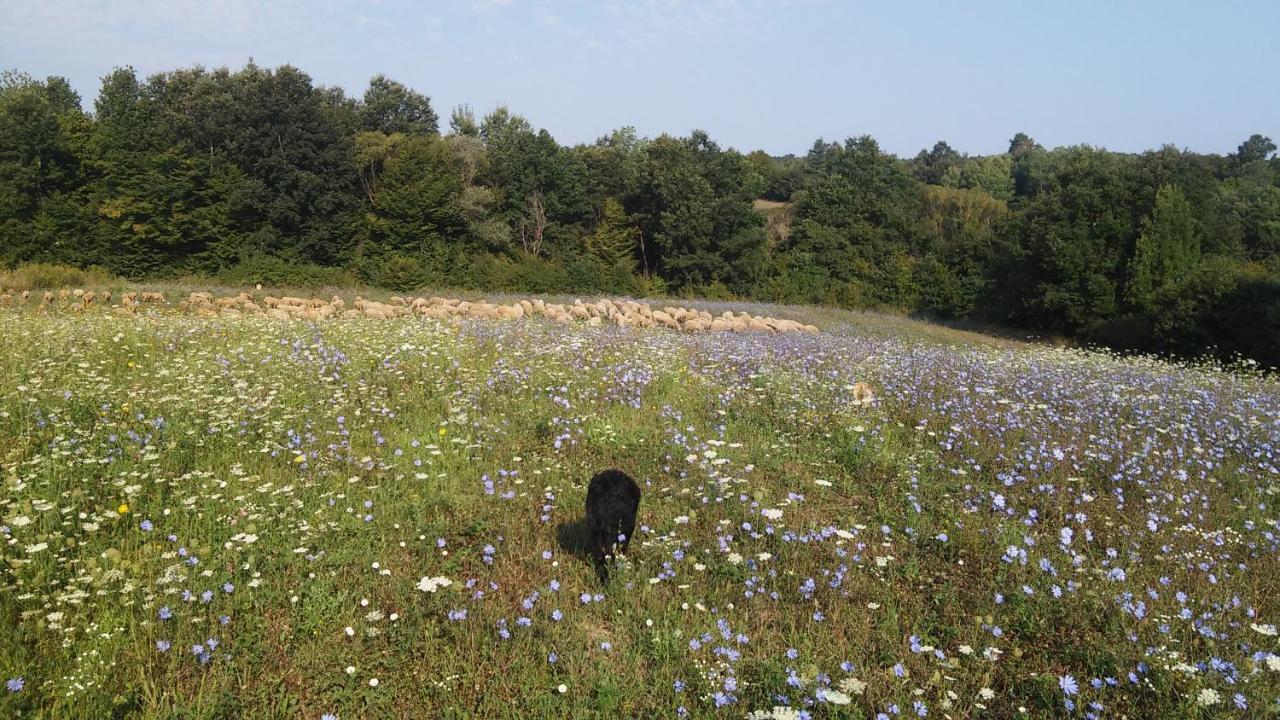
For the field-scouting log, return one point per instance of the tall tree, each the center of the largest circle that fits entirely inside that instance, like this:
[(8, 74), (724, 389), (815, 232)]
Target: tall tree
[(1021, 144), (43, 139), (930, 166), (613, 242), (418, 212), (1257, 148), (390, 107), (1167, 248)]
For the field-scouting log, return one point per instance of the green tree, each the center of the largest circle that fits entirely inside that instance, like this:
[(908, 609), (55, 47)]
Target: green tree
[(43, 145), (1166, 249), (418, 212), (1021, 144), (930, 166), (462, 121), (1058, 260), (613, 242), (858, 216), (390, 107), (1256, 149), (992, 174)]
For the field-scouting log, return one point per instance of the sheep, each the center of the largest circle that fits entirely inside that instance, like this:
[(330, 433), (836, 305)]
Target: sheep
[(623, 313), (696, 325), (863, 394), (613, 499)]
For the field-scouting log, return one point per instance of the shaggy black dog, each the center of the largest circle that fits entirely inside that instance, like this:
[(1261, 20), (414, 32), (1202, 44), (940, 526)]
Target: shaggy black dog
[(613, 499)]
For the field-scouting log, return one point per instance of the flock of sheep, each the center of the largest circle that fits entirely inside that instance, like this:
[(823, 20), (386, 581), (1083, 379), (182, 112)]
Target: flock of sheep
[(623, 313)]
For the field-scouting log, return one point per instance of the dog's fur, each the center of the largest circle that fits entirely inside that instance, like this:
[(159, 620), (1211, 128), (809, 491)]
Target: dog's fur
[(613, 499)]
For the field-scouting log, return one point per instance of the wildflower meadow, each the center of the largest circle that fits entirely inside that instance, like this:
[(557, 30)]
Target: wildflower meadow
[(242, 516)]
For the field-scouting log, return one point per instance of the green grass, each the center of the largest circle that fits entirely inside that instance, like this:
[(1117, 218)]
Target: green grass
[(257, 444)]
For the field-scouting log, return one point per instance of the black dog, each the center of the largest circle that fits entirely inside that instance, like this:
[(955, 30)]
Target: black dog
[(613, 499)]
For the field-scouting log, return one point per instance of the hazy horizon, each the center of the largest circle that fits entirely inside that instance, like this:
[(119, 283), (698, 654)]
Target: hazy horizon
[(755, 75)]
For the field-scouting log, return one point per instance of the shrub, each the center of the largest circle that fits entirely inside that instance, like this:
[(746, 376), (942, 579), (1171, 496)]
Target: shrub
[(715, 291), (271, 270), (44, 276), (1223, 308), (401, 273)]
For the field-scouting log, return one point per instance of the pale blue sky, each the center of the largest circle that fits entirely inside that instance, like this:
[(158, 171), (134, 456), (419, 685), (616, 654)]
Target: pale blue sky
[(753, 73)]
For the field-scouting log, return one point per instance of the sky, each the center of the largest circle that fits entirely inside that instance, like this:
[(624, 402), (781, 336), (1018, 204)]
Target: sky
[(755, 74)]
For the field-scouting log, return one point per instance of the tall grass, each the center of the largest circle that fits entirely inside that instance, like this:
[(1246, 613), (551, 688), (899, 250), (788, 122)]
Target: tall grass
[(46, 276), (233, 517)]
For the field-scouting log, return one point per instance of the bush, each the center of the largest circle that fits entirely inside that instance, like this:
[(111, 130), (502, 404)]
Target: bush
[(274, 271), (1126, 332), (651, 286), (714, 291), (45, 276), (537, 275), (401, 273), (1223, 308)]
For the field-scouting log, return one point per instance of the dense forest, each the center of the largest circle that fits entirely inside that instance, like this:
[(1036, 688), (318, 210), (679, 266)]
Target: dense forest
[(260, 175)]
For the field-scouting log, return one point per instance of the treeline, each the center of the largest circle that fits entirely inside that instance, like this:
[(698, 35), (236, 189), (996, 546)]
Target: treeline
[(259, 175)]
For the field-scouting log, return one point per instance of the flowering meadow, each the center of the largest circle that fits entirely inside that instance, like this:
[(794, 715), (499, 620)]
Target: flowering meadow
[(249, 517)]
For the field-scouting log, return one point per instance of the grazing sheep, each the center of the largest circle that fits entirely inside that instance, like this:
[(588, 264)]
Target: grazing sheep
[(623, 313), (613, 500)]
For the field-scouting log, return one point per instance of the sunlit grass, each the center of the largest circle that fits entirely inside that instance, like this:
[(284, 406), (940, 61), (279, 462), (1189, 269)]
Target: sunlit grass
[(798, 549)]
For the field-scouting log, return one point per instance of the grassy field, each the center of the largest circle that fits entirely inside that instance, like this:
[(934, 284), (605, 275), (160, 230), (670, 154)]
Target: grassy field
[(241, 517)]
